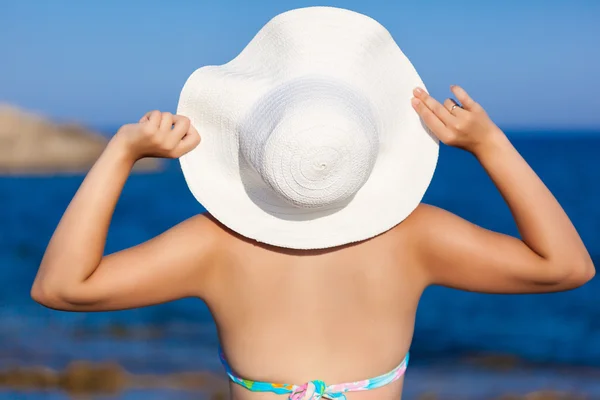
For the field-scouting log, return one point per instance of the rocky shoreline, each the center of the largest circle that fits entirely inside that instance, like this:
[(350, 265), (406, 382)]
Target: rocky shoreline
[(33, 145), (83, 377), (87, 378)]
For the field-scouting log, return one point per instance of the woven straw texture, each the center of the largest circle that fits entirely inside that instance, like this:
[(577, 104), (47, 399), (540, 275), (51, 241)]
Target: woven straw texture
[(308, 136)]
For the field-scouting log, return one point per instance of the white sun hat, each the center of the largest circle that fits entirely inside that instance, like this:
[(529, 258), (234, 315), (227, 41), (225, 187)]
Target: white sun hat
[(309, 139)]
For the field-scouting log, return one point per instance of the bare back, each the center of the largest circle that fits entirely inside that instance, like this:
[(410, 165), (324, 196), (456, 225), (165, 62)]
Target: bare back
[(337, 315)]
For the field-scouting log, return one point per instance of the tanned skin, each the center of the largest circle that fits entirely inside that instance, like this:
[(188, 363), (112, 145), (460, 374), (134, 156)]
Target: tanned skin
[(289, 316)]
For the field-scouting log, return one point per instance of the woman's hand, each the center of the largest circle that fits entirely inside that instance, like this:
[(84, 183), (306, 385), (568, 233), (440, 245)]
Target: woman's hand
[(158, 134), (468, 127)]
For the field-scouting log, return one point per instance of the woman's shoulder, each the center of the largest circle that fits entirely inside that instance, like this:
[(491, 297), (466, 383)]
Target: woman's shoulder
[(424, 217)]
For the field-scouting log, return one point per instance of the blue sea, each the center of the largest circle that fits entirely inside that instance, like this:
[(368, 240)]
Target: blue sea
[(557, 333)]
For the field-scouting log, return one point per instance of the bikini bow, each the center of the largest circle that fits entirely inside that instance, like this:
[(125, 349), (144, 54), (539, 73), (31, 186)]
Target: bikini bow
[(314, 390)]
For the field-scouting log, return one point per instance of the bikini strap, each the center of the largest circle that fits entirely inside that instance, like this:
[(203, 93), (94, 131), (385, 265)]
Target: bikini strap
[(316, 389)]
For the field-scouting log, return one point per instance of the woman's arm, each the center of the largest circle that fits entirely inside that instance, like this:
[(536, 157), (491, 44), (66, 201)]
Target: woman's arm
[(456, 253), (74, 275)]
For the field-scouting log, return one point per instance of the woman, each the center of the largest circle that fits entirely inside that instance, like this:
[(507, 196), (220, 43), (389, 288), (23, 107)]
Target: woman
[(312, 314)]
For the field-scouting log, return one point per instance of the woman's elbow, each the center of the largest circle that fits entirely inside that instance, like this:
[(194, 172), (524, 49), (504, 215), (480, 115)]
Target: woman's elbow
[(586, 272), (573, 275), (45, 296), (52, 297)]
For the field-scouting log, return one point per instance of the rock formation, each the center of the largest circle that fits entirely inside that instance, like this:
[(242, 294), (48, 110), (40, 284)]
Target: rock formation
[(30, 144), (107, 378)]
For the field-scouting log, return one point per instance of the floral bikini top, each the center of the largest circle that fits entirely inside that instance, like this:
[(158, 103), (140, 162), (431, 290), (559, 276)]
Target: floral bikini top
[(316, 390)]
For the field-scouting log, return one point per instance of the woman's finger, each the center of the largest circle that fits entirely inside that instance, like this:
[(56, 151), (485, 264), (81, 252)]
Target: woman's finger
[(461, 94), (453, 107), (145, 117), (181, 126), (448, 103), (151, 116), (439, 110), (166, 122), (154, 118), (431, 120), (188, 143)]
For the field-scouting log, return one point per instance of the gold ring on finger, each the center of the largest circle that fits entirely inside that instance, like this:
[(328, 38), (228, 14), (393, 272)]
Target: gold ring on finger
[(455, 105)]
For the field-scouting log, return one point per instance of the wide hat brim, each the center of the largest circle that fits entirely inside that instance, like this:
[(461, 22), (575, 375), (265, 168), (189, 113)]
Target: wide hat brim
[(315, 41)]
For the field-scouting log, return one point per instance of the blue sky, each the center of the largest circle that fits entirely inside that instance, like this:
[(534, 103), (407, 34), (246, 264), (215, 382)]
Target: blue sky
[(532, 64)]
